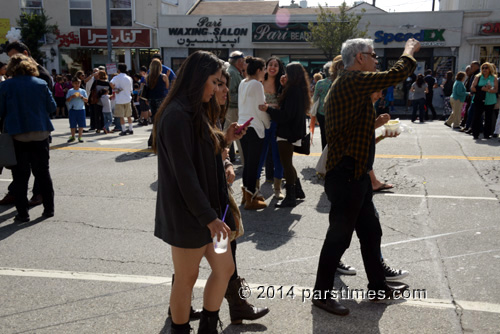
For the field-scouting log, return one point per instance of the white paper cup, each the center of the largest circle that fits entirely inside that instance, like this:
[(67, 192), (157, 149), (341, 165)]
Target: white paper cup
[(220, 246), (392, 127)]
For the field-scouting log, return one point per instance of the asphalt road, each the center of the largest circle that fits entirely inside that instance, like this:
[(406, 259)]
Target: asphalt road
[(97, 268)]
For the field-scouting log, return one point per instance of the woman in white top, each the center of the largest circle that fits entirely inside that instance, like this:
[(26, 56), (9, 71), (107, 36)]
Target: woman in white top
[(250, 96)]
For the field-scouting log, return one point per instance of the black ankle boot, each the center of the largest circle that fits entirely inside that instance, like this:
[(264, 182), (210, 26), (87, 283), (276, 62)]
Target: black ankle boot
[(239, 308), (208, 323), (290, 198), (299, 193), (180, 331)]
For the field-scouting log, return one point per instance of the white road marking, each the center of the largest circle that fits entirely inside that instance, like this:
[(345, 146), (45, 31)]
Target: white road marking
[(443, 196), (469, 254), (425, 238), (6, 180), (200, 283)]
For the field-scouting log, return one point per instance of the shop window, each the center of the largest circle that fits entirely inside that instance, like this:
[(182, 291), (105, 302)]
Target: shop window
[(31, 6), (80, 13), (490, 54), (121, 13), (443, 65)]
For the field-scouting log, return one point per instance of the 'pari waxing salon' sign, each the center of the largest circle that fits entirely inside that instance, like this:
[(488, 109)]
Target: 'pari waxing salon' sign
[(208, 31), (125, 38)]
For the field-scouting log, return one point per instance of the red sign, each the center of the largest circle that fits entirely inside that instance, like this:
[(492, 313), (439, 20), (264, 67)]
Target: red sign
[(126, 38), (68, 39), (490, 29)]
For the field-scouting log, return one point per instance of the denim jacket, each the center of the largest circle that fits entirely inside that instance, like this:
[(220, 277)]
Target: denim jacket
[(25, 105)]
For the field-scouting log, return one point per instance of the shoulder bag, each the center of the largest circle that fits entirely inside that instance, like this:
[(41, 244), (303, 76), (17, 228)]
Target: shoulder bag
[(305, 145)]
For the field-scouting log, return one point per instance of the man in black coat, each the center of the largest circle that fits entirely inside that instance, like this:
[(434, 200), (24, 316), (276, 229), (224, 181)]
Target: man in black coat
[(431, 82)]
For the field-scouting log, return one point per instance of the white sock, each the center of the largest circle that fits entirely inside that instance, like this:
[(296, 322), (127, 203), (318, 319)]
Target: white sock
[(130, 127), (124, 127)]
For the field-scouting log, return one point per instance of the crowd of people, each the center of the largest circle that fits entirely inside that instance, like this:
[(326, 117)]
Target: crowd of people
[(261, 106)]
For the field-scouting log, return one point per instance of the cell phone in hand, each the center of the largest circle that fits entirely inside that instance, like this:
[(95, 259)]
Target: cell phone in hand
[(247, 123)]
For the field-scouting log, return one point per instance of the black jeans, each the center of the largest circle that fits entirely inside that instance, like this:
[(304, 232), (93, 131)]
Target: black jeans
[(32, 157), (251, 145), (351, 209), (321, 121), (428, 103), (96, 119), (477, 120)]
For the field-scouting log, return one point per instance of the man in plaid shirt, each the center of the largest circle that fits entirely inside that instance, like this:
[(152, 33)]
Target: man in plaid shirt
[(350, 132)]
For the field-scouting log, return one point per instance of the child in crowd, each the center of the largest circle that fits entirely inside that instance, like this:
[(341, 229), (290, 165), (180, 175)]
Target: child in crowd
[(76, 98), (106, 109)]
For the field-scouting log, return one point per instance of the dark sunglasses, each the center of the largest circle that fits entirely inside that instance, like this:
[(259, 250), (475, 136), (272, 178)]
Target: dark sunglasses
[(372, 54)]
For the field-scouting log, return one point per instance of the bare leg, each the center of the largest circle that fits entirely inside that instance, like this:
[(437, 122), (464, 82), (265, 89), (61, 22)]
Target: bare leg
[(222, 269), (186, 267)]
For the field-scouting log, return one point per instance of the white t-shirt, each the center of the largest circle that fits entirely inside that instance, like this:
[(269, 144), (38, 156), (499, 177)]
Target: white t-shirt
[(123, 83), (250, 96)]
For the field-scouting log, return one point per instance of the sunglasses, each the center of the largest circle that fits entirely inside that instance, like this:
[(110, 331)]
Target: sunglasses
[(372, 54), (485, 68)]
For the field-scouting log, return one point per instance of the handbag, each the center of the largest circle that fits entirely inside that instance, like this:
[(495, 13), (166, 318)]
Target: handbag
[(321, 165), (305, 145), (7, 152)]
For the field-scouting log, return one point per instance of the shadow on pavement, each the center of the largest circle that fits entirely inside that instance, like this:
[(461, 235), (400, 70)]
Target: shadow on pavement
[(8, 230)]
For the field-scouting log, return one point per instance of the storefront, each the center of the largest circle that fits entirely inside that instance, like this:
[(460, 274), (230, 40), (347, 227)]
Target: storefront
[(87, 49), (257, 36)]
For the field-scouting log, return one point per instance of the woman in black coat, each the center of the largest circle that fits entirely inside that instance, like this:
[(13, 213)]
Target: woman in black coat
[(192, 189), (295, 102)]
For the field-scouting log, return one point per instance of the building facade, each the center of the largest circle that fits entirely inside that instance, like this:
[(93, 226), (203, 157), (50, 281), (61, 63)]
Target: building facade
[(82, 39)]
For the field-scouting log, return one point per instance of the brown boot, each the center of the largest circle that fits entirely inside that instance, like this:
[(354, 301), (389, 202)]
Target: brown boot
[(277, 189), (240, 309), (252, 202), (259, 196), (8, 200)]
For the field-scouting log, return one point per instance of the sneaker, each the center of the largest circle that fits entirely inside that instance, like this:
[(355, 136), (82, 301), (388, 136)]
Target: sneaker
[(116, 130), (123, 133), (71, 139), (80, 140), (130, 132), (345, 269), (393, 274)]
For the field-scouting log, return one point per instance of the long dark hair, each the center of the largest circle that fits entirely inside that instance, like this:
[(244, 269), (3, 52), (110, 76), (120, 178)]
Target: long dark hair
[(281, 71), (420, 80), (297, 77), (190, 84)]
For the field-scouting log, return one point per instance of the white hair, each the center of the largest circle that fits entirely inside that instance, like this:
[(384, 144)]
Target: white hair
[(352, 47)]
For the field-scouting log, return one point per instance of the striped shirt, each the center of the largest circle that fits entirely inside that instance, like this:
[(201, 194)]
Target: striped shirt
[(349, 113)]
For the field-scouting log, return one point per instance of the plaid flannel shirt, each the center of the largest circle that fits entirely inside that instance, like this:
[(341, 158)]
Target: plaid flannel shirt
[(349, 113)]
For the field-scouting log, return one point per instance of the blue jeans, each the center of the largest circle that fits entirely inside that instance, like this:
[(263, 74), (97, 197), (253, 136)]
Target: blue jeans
[(418, 104), (108, 118), (270, 141)]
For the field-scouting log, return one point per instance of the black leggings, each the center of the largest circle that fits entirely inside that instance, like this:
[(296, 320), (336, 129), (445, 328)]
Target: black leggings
[(251, 145), (286, 156)]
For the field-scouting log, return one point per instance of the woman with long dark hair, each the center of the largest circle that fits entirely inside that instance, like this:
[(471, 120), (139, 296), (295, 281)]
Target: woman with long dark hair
[(419, 89), (158, 84), (270, 155), (192, 191), (294, 103), (250, 96)]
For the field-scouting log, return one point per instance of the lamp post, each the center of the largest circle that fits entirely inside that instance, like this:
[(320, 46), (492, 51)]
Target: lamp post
[(108, 27)]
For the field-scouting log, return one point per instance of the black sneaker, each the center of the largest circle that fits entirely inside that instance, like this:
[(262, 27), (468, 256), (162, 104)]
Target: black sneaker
[(345, 269), (130, 132), (393, 274), (123, 133)]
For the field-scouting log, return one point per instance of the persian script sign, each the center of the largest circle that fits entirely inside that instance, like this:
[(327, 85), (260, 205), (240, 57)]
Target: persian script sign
[(128, 38)]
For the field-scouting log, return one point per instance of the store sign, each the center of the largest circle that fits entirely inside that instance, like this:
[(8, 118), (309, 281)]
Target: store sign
[(68, 39), (207, 32), (430, 37), (490, 29), (126, 38), (270, 32)]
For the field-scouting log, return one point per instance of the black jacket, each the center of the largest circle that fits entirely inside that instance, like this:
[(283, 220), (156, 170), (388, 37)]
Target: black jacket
[(192, 188), (291, 116)]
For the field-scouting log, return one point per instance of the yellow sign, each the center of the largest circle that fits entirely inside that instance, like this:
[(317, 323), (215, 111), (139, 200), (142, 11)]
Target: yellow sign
[(4, 29)]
